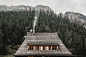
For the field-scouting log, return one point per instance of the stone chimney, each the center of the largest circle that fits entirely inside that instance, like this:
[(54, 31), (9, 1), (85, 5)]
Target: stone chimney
[(33, 30)]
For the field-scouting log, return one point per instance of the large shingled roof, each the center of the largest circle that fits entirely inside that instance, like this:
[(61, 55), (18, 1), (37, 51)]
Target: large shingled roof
[(42, 39)]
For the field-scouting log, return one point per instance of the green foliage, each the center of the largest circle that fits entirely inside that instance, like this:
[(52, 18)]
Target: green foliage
[(6, 56), (16, 24), (70, 33), (14, 27)]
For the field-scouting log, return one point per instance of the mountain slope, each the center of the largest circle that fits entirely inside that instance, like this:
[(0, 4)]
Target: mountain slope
[(13, 8), (23, 7), (41, 7), (77, 16), (12, 22)]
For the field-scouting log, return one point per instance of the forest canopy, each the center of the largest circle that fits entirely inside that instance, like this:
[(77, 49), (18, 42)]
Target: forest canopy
[(15, 25)]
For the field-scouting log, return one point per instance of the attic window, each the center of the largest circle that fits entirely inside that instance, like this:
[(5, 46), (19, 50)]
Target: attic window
[(57, 47), (41, 47), (47, 48), (54, 48), (30, 47), (36, 47)]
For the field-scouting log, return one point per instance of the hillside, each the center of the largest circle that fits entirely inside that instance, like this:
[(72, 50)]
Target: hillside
[(23, 7), (77, 16), (43, 8), (72, 35), (15, 25), (74, 17), (13, 8)]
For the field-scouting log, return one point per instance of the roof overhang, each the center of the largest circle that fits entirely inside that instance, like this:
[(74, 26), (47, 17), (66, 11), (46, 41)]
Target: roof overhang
[(49, 44), (48, 55)]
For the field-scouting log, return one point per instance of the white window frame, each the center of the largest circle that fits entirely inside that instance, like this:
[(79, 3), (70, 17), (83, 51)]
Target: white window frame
[(47, 48), (57, 47), (41, 47)]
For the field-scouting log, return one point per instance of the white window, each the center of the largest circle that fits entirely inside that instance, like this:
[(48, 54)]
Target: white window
[(41, 47), (35, 47), (47, 48), (57, 47), (28, 46)]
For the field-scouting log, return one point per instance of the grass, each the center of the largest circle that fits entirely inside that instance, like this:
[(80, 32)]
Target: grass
[(6, 56)]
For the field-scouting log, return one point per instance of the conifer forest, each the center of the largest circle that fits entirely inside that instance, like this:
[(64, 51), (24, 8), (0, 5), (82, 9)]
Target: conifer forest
[(14, 25)]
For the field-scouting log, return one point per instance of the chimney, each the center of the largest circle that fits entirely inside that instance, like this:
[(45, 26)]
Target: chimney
[(35, 20), (33, 30)]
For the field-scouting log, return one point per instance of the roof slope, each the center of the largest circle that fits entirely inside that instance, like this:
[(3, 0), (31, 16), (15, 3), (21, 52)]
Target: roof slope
[(46, 39)]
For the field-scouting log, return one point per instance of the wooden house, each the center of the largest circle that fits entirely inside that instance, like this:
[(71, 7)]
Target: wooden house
[(42, 45)]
